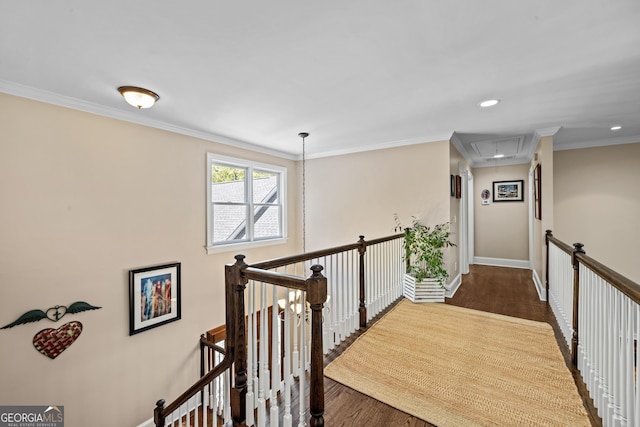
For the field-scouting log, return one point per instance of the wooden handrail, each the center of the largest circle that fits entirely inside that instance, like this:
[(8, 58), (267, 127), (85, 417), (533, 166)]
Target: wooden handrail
[(615, 279), (162, 411), (559, 243), (578, 256), (212, 345), (280, 262), (274, 278)]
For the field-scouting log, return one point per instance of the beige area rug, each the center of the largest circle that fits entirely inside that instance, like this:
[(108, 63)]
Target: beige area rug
[(452, 366)]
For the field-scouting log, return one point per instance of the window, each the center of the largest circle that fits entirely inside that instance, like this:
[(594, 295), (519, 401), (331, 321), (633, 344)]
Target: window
[(245, 202)]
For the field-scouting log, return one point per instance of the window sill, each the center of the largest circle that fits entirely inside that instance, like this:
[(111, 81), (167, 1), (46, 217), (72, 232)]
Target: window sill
[(236, 247)]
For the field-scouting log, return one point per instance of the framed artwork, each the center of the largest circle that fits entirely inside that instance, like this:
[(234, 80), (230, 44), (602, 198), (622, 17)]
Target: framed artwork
[(154, 297), (508, 191), (537, 190), (453, 186), (458, 186), (484, 195)]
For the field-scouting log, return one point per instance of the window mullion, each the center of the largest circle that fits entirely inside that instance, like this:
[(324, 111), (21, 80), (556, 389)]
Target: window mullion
[(249, 194)]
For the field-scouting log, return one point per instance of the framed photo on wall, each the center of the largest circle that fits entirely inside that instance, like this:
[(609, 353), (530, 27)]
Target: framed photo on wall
[(453, 186), (508, 191), (154, 297), (537, 190), (458, 186)]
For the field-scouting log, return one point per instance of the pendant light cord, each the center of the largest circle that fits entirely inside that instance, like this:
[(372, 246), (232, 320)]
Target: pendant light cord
[(303, 135), (304, 201)]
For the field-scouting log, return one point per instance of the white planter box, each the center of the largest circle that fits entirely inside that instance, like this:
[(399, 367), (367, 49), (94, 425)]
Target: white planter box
[(429, 290)]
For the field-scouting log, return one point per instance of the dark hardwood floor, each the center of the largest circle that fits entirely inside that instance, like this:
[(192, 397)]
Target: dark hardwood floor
[(507, 291)]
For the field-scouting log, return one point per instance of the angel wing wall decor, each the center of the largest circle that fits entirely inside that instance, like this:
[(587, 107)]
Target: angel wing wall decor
[(54, 313)]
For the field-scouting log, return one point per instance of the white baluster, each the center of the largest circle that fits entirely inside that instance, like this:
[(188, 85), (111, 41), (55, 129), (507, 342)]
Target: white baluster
[(275, 360), (226, 400), (287, 420), (254, 349), (251, 342), (302, 377), (636, 332), (262, 360), (205, 410)]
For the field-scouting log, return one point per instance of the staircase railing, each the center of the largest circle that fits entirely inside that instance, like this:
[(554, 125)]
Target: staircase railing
[(299, 320), (598, 311)]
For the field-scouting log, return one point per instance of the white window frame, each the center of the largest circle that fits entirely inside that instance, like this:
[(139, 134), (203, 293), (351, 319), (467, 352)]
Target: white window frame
[(252, 242)]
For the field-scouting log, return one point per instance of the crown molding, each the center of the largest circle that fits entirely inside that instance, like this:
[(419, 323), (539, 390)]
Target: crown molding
[(547, 131), (381, 146), (40, 95), (455, 140), (597, 143)]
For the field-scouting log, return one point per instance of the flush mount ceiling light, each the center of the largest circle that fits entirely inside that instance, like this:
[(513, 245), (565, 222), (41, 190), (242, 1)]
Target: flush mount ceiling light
[(489, 103), (498, 156), (616, 127), (138, 97)]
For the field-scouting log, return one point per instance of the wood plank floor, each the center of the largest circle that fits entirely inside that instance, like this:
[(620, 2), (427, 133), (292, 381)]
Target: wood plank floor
[(507, 291)]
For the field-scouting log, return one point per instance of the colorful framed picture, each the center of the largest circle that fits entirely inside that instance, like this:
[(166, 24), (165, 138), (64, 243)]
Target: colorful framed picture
[(154, 297), (508, 191)]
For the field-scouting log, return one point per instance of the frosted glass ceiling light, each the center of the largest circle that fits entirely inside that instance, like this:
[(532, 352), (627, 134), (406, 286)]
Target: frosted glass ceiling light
[(617, 127), (138, 97), (489, 103)]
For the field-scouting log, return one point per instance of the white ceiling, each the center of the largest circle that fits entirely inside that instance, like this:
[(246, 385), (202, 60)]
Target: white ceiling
[(356, 75)]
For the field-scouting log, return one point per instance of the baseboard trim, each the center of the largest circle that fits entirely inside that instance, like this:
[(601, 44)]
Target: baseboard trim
[(542, 292), (148, 423), (502, 262), (452, 287)]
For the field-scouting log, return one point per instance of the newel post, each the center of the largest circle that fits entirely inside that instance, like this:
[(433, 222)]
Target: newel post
[(547, 236), (577, 249), (363, 307), (316, 297), (235, 286), (158, 418)]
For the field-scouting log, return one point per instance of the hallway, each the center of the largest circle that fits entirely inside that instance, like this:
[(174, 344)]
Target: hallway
[(499, 290)]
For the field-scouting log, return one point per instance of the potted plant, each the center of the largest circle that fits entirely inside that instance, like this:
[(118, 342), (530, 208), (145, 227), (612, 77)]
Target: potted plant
[(426, 275)]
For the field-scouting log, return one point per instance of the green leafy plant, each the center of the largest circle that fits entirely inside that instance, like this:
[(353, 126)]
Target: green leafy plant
[(424, 247)]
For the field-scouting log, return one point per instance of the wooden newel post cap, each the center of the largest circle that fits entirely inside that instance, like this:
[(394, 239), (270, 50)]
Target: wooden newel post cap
[(158, 419), (317, 286), (317, 270), (578, 247), (239, 259)]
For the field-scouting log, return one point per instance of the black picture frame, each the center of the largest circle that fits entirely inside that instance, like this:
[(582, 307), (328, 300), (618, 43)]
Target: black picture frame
[(537, 190), (453, 186), (508, 191), (154, 297), (458, 187)]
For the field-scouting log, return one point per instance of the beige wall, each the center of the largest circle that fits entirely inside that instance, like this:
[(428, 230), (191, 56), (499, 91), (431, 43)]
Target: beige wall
[(501, 229), (545, 155), (85, 199), (597, 203), (359, 193), (456, 162)]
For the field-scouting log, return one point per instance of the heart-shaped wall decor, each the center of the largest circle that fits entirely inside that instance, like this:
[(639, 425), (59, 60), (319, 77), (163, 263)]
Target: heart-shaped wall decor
[(52, 342)]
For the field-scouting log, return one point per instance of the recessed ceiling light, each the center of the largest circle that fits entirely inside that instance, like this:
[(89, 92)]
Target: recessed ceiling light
[(617, 127), (489, 103), (498, 156)]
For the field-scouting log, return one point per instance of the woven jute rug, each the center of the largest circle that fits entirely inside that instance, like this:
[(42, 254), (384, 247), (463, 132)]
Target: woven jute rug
[(452, 366)]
